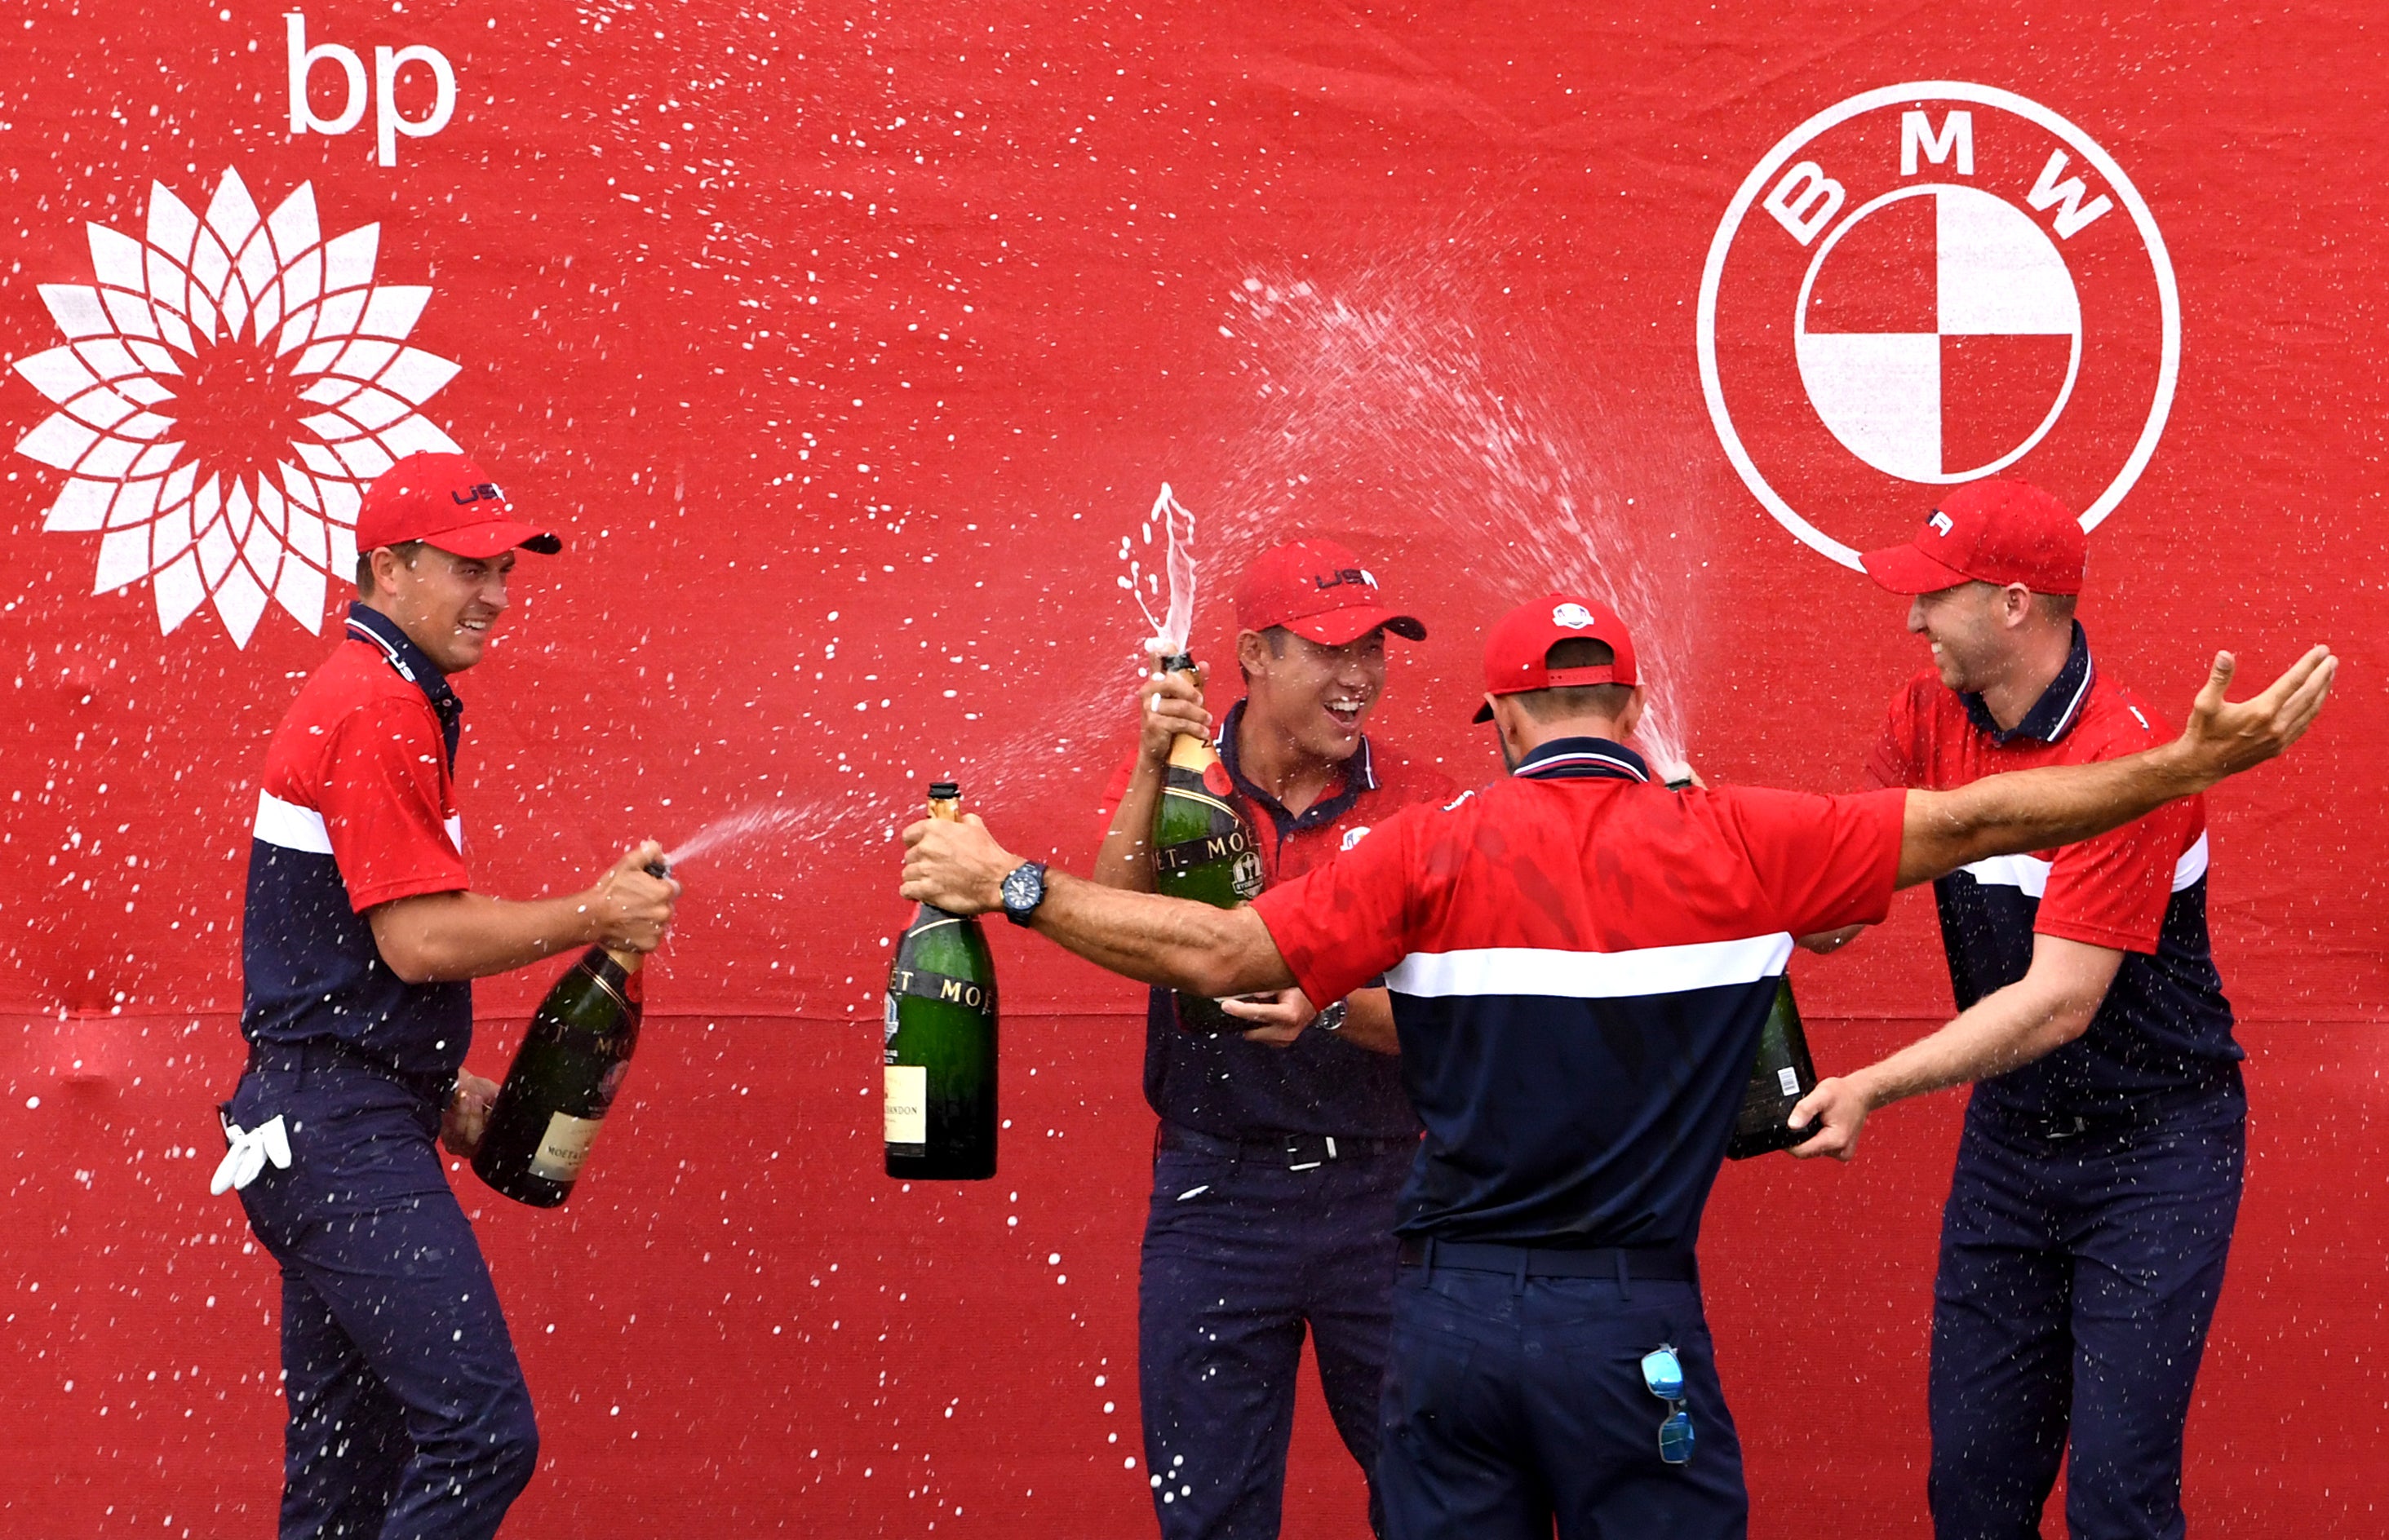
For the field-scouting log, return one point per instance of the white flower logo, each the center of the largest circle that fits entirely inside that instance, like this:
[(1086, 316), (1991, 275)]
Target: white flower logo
[(214, 463)]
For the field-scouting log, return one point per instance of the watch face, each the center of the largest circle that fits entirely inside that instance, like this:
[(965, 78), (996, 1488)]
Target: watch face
[(1021, 887)]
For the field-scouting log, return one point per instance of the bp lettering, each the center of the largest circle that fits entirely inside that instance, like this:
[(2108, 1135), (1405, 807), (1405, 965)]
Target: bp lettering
[(388, 123)]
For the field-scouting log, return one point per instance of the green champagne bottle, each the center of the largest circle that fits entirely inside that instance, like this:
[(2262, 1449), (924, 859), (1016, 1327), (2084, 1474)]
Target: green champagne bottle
[(564, 1079), (1203, 848), (1782, 1077), (940, 1041)]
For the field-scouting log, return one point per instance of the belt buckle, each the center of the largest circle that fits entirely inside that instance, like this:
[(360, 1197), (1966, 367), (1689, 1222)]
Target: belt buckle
[(2052, 1133), (1294, 1161)]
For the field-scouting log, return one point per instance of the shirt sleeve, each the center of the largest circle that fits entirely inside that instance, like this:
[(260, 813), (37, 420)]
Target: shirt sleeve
[(384, 806), (1340, 926), (1826, 861), (1113, 791), (2113, 891), (1893, 759)]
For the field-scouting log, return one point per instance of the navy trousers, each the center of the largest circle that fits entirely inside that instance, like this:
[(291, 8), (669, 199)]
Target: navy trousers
[(409, 1417), (1242, 1253), (1512, 1404), (2078, 1276)]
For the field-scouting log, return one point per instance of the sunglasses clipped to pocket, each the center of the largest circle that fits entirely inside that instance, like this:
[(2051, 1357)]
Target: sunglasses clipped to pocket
[(1663, 1376)]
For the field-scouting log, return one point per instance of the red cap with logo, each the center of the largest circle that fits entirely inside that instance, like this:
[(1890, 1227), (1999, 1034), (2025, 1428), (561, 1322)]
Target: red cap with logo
[(446, 501), (1317, 589), (1988, 532), (1520, 642)]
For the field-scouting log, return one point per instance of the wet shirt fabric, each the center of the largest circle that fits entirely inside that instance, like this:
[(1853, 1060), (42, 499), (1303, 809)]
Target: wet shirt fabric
[(357, 808), (2164, 1026), (1319, 1084), (1580, 963)]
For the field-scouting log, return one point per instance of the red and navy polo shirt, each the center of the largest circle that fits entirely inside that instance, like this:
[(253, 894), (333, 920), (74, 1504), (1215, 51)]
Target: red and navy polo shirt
[(1580, 963), (358, 808), (2141, 890), (1319, 1084)]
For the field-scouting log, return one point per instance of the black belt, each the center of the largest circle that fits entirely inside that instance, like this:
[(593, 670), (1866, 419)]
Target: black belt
[(1651, 1264), (2120, 1117), (1297, 1152), (431, 1086)]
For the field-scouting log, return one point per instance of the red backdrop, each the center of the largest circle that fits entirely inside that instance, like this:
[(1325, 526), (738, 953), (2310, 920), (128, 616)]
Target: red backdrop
[(846, 348)]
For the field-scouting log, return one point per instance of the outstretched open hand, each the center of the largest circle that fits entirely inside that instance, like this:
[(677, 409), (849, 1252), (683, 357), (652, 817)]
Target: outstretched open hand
[(2222, 738)]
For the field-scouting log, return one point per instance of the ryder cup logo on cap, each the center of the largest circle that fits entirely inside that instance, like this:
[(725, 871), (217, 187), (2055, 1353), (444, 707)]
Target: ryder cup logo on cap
[(1517, 650), (1904, 293)]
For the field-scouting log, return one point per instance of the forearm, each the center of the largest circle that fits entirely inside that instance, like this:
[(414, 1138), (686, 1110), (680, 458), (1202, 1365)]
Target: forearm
[(1369, 1021), (2005, 1029), (1172, 942), (440, 938), (1125, 860), (2036, 809)]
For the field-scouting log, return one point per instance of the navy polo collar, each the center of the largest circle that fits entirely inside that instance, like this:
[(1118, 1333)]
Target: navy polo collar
[(2060, 707), (378, 630), (1582, 758), (1360, 775)]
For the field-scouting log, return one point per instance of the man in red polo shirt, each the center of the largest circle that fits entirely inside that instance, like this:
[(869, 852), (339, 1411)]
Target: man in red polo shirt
[(408, 1414), (2083, 1244), (1280, 1150)]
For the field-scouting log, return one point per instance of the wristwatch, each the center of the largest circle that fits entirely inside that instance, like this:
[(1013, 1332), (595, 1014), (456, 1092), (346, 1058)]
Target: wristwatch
[(1332, 1019), (1024, 889)]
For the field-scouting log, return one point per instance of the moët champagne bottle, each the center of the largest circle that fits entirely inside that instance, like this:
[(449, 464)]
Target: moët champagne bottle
[(1782, 1075), (1203, 846), (564, 1079), (940, 1041)]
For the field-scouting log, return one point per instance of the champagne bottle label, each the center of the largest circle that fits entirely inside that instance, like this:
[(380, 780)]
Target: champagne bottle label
[(907, 1115), (564, 1148), (1781, 1074), (924, 984)]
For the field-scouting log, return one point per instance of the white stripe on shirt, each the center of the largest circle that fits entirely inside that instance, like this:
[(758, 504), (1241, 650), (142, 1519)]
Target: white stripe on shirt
[(291, 827), (1591, 975), (2030, 874)]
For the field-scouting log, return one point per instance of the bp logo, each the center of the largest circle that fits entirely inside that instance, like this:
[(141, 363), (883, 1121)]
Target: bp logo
[(1929, 283), (229, 384)]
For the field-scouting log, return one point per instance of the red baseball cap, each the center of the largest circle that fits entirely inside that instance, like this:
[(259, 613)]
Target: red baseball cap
[(1316, 589), (447, 501), (1990, 533), (1520, 641)]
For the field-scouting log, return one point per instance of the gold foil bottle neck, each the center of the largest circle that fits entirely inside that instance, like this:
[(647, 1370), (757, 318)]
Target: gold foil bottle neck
[(628, 961), (1186, 751)]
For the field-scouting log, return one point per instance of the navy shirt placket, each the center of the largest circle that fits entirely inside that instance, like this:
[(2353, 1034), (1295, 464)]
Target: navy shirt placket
[(409, 662)]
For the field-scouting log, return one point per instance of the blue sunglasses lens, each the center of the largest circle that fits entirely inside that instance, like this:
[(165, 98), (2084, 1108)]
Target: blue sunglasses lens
[(1663, 1375), (1676, 1438)]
